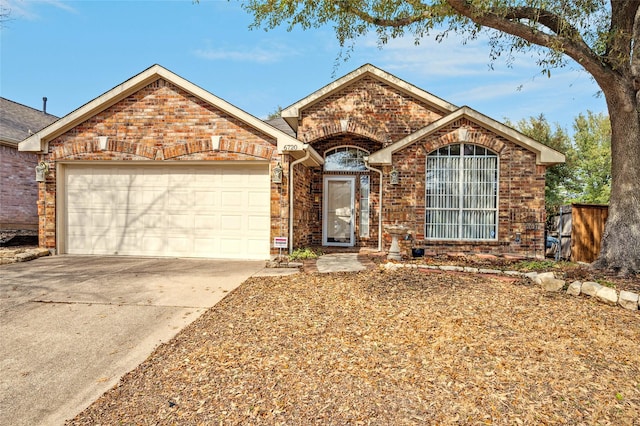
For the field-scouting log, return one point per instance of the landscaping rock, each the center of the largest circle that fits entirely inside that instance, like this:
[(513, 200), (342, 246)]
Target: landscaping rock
[(513, 273), (25, 257), (41, 252), (489, 271), (10, 253), (531, 275), (629, 300), (552, 284), (575, 288), (431, 267), (452, 268), (607, 295), (486, 256), (590, 288), (471, 270), (543, 276)]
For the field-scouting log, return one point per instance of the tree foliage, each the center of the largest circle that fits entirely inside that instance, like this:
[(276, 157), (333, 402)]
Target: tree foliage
[(593, 158), (560, 187), (585, 177)]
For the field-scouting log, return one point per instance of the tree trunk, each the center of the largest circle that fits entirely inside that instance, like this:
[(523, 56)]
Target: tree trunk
[(620, 249)]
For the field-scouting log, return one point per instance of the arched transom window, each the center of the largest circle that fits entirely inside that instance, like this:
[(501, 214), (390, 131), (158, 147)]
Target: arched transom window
[(345, 159), (462, 193)]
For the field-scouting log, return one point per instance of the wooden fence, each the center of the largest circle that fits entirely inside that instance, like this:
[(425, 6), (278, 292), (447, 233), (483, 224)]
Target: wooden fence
[(579, 229), (587, 228)]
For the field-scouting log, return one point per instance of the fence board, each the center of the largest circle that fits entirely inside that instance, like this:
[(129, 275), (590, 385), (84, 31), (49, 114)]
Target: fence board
[(587, 227)]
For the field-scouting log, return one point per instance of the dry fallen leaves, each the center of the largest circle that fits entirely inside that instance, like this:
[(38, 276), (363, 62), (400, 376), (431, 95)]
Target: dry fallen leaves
[(395, 347)]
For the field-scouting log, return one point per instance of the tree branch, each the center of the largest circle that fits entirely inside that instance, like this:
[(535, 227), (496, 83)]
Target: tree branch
[(565, 37), (399, 22)]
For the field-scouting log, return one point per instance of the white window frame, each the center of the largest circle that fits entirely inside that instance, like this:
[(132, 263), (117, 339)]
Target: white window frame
[(325, 207), (363, 153), (365, 206), (455, 209)]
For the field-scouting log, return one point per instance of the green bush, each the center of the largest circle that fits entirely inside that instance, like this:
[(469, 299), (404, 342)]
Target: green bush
[(304, 253), (535, 265)]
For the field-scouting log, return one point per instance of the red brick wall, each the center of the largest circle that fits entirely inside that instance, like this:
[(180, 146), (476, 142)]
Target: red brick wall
[(18, 189), (160, 122), (306, 219), (521, 193), (373, 109)]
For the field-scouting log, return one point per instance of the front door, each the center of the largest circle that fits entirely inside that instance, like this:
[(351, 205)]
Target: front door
[(338, 207)]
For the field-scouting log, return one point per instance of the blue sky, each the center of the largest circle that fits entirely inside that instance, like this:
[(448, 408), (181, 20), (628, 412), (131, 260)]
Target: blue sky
[(73, 51)]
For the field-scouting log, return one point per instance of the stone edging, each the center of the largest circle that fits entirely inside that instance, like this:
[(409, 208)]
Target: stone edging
[(547, 281), (21, 255)]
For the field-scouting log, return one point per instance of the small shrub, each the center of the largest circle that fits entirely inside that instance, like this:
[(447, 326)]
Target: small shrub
[(535, 265), (304, 253), (605, 283)]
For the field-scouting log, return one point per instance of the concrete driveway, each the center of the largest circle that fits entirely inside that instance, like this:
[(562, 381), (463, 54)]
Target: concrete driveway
[(71, 326)]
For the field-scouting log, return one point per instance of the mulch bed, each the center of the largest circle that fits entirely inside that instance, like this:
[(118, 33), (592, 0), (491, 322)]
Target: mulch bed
[(388, 347)]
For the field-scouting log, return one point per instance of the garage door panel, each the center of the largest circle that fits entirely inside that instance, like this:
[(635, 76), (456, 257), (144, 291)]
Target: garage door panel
[(206, 223), (259, 224), (179, 198), (257, 200), (231, 223), (211, 211), (206, 199), (231, 199)]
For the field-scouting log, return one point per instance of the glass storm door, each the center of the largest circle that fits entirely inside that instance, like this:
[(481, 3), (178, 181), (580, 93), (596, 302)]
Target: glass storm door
[(337, 229)]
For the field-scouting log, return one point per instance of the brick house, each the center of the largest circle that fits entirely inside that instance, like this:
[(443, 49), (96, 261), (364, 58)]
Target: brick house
[(18, 188), (158, 166)]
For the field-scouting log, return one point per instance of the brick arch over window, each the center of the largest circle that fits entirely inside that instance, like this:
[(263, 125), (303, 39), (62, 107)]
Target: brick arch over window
[(345, 158), (341, 127), (477, 136)]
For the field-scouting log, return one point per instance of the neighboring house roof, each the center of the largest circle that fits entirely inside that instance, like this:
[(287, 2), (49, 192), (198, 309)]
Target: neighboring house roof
[(285, 143), (19, 121), (280, 124), (544, 154), (292, 113)]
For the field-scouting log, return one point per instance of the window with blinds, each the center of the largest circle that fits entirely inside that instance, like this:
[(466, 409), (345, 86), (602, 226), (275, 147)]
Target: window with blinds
[(462, 193)]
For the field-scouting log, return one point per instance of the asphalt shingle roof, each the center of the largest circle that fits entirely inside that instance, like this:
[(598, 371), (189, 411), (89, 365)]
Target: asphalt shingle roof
[(281, 125), (17, 120)]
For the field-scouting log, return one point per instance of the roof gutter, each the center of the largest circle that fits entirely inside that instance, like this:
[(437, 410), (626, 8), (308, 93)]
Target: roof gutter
[(305, 147), (366, 164)]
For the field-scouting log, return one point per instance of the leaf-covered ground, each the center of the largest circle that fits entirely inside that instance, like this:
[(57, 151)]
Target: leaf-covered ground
[(397, 347)]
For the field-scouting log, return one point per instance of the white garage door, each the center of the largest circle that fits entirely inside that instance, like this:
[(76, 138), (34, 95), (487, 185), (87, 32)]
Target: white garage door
[(217, 211)]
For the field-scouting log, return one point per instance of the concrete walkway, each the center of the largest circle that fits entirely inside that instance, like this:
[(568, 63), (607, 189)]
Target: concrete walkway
[(339, 262)]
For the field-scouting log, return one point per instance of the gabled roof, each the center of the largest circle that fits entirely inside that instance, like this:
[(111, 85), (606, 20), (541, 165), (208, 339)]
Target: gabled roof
[(292, 113), (18, 121), (38, 142), (544, 154)]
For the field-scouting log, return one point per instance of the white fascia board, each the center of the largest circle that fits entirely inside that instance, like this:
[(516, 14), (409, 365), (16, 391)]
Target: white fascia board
[(544, 154), (38, 141), (298, 149), (291, 114), (31, 144)]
